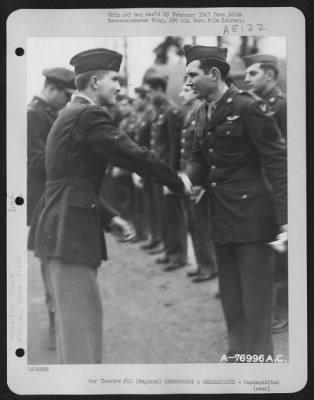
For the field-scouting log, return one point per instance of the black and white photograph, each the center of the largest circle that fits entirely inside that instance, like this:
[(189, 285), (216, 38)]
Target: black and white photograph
[(157, 211)]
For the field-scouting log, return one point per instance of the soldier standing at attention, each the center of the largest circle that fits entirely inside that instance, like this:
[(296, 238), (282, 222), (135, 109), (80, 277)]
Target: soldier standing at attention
[(236, 145), (151, 189), (198, 208), (261, 77), (68, 231), (41, 114), (165, 143)]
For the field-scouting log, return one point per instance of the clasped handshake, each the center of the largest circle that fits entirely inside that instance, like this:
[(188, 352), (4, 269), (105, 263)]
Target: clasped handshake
[(194, 192)]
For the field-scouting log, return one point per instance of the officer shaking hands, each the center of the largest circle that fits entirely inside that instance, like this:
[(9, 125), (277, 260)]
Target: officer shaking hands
[(236, 145), (68, 230)]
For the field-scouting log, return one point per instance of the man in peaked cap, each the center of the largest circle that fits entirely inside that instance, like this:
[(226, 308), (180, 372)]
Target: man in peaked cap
[(236, 144), (261, 77), (41, 113), (68, 232)]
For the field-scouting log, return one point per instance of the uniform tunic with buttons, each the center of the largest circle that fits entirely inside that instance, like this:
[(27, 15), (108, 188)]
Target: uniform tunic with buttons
[(80, 144), (40, 117), (277, 102), (165, 143), (143, 128), (166, 134), (187, 137), (230, 153)]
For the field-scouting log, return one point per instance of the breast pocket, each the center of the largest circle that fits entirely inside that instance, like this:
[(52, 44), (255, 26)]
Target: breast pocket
[(82, 199), (199, 132), (230, 128)]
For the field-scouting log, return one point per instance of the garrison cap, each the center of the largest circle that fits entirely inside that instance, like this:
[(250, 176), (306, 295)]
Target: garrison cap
[(201, 52), (260, 59), (62, 77), (95, 59)]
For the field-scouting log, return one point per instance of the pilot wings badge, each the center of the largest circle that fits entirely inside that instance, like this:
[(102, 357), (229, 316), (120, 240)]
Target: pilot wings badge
[(232, 118)]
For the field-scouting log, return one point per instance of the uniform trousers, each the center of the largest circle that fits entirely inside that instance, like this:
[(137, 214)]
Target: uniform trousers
[(246, 288), (47, 286), (152, 193), (78, 312), (123, 196), (174, 228), (280, 306), (140, 213), (199, 227)]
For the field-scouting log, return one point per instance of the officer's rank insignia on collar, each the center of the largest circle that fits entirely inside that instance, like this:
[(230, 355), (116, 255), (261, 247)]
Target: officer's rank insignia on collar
[(272, 100), (263, 107), (232, 118), (229, 100)]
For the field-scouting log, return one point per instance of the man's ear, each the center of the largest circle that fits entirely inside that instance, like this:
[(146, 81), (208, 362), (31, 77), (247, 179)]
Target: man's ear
[(215, 73), (94, 82), (270, 74)]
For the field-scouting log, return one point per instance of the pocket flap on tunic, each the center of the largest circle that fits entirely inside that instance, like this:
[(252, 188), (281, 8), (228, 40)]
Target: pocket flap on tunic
[(229, 131), (78, 198)]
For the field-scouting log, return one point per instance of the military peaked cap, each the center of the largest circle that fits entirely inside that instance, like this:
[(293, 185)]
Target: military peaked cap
[(95, 59), (260, 59), (201, 52), (62, 77)]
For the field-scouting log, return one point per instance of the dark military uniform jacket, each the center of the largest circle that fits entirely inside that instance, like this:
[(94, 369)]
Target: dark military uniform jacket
[(143, 128), (40, 117), (128, 126), (187, 136), (277, 102), (166, 133), (231, 153), (80, 144)]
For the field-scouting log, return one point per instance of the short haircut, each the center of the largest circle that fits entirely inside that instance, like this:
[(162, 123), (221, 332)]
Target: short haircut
[(82, 80), (157, 83), (270, 67), (206, 64)]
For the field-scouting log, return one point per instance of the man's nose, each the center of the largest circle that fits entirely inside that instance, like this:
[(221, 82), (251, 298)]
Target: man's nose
[(247, 78), (118, 86), (188, 81)]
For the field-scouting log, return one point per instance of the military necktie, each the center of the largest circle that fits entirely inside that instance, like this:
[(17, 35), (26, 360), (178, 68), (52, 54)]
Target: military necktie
[(211, 107)]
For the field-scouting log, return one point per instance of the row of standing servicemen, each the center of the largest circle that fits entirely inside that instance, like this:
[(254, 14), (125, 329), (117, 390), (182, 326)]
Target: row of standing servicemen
[(155, 212), (168, 134)]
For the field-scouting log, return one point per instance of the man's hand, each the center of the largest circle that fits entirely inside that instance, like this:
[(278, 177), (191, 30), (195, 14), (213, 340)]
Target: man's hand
[(137, 180), (121, 228), (197, 194), (117, 172), (166, 190), (281, 242), (188, 187)]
